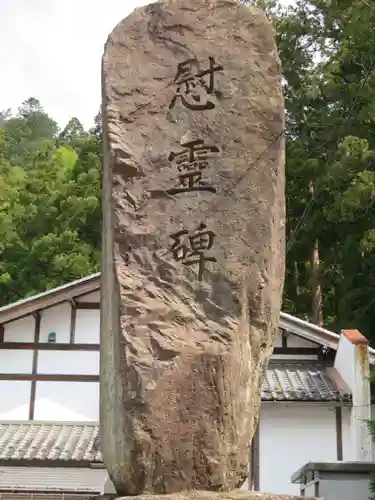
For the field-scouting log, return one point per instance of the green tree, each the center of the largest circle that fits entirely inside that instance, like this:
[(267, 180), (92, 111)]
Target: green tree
[(73, 131), (327, 50), (49, 203), (50, 180), (27, 131)]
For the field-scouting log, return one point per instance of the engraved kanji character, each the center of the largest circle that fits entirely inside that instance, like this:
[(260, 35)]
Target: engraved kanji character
[(191, 181), (190, 162), (194, 151), (190, 249), (192, 87)]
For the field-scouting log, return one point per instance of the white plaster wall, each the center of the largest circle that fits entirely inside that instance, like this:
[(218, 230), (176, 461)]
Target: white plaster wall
[(295, 341), (294, 357), (347, 448), (55, 478), (373, 418), (278, 342), (56, 319), (87, 329), (89, 297), (14, 400), (351, 362), (68, 362), (67, 401), (16, 361), (20, 330), (289, 437), (344, 361)]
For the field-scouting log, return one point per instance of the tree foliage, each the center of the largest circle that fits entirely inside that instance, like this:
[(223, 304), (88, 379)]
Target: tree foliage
[(327, 49), (49, 202), (50, 179)]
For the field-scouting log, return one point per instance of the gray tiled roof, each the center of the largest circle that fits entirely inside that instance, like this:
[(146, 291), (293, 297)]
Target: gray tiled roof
[(78, 442), (63, 441), (300, 382)]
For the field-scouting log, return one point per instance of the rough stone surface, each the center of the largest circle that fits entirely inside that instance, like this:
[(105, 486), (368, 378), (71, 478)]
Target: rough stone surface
[(184, 345), (208, 495)]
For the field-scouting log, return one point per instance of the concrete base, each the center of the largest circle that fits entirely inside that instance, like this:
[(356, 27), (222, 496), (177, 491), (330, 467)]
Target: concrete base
[(211, 495)]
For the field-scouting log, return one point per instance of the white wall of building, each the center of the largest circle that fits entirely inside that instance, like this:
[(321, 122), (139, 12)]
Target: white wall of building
[(56, 319), (295, 341), (373, 418), (54, 400), (67, 401), (90, 297), (14, 400), (87, 328), (352, 363), (20, 330), (347, 445), (68, 362), (56, 478), (344, 364), (290, 436), (278, 342), (16, 361)]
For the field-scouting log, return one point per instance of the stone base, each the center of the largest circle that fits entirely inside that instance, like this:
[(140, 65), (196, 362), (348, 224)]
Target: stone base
[(211, 495)]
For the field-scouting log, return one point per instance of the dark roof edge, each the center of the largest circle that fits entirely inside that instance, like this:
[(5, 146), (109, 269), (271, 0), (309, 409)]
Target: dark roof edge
[(45, 462), (91, 423), (336, 467), (339, 401), (51, 297), (90, 283)]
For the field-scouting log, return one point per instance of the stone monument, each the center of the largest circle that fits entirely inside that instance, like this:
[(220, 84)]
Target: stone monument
[(193, 242)]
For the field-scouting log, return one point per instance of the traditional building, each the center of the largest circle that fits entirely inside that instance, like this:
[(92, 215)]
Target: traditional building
[(315, 398)]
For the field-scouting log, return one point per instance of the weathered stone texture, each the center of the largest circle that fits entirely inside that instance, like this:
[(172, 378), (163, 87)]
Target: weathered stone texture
[(182, 358), (208, 495)]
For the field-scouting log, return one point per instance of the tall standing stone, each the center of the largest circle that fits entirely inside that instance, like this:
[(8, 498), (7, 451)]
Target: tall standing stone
[(193, 241)]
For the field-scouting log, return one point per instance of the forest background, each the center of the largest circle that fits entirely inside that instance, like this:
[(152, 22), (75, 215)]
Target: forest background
[(50, 177)]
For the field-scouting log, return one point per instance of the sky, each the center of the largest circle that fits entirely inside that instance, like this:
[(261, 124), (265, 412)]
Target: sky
[(52, 50)]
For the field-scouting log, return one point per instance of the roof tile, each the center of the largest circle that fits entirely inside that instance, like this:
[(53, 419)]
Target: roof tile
[(79, 442), (300, 382), (50, 441)]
